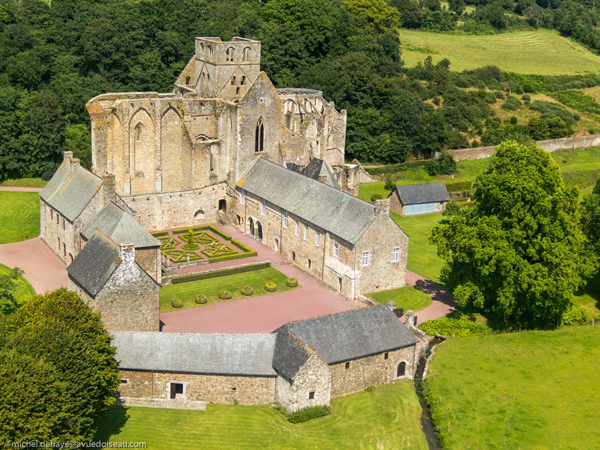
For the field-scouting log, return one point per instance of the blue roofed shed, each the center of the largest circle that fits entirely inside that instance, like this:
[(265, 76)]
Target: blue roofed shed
[(416, 199)]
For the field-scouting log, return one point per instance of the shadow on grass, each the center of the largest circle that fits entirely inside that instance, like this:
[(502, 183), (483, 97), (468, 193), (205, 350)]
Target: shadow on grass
[(111, 423)]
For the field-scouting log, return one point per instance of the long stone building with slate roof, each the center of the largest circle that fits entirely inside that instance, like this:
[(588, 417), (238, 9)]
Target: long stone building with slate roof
[(301, 364)]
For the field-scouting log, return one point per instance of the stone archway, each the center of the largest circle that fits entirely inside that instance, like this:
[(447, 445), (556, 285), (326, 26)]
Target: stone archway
[(259, 231), (251, 226)]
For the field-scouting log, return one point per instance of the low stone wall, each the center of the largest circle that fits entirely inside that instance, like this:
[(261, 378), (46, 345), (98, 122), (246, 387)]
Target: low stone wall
[(161, 403), (550, 145)]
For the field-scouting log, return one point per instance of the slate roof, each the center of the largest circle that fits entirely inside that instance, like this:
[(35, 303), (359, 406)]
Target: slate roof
[(290, 354), (353, 334), (214, 354), (319, 167), (326, 207), (95, 263), (70, 192), (119, 227), (423, 193)]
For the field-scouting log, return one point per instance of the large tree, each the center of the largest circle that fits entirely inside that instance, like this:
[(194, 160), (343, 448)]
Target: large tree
[(519, 254), (590, 217), (57, 370)]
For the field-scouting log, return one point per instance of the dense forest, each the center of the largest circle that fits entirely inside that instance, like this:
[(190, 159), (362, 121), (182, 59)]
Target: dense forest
[(55, 57)]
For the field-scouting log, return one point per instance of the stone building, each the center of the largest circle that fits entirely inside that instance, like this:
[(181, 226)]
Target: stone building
[(173, 154), (416, 199), (107, 277), (301, 364), (351, 245)]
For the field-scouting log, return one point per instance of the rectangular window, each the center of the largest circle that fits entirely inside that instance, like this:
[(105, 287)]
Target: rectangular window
[(57, 219), (386, 355), (124, 381), (63, 223), (51, 215), (297, 227), (285, 218), (366, 258), (396, 254), (318, 242), (64, 249), (311, 395), (306, 233), (242, 197), (176, 390), (336, 249), (276, 244), (263, 206), (347, 366), (309, 263)]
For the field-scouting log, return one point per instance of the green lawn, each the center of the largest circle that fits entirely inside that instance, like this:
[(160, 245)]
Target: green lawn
[(422, 256), (19, 216), (24, 291), (407, 298), (187, 292), (589, 298), (387, 418), (529, 390), (25, 182), (540, 52)]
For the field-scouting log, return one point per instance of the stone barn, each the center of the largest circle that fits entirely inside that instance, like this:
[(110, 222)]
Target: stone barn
[(416, 199)]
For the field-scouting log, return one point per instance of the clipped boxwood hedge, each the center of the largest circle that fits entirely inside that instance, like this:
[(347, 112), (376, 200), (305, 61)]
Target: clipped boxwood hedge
[(204, 227), (306, 414), (225, 295), (160, 234), (221, 273), (270, 286), (176, 303), (291, 282), (247, 290), (201, 299)]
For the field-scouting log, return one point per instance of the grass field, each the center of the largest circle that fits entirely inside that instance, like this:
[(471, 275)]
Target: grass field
[(187, 292), (406, 298), (529, 390), (19, 216), (422, 256), (589, 298), (540, 52), (387, 418), (24, 291), (25, 182)]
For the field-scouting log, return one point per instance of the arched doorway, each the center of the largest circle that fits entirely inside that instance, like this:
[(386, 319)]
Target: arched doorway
[(251, 226), (222, 205), (259, 231), (401, 369), (199, 215)]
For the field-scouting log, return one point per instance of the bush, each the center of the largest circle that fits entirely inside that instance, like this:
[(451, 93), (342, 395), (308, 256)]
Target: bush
[(270, 286), (176, 303), (291, 282), (376, 197), (201, 299), (225, 295), (306, 414), (247, 290), (578, 100), (221, 273), (444, 165), (575, 314), (514, 120), (526, 98), (512, 103), (390, 185), (457, 186), (449, 326)]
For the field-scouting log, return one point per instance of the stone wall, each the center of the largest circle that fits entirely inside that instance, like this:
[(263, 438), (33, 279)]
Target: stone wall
[(149, 260), (210, 388), (371, 371), (314, 377), (550, 145)]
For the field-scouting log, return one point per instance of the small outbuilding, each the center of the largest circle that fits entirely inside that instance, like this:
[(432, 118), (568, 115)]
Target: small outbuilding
[(416, 199)]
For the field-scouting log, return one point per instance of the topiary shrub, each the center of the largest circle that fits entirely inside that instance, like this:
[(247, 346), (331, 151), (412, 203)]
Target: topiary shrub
[(375, 197), (247, 290), (225, 295), (176, 303), (291, 282), (201, 299), (270, 286)]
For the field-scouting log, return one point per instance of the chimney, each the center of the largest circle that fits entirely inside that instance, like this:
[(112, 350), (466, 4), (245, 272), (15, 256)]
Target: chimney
[(108, 187), (382, 207), (322, 178), (392, 304), (127, 250), (67, 156), (410, 318), (74, 164)]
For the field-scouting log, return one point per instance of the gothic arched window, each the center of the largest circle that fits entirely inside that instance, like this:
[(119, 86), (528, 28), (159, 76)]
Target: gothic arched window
[(246, 54), (230, 54), (259, 138)]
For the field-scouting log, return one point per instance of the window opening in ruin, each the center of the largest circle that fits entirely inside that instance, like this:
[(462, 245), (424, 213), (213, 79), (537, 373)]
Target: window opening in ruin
[(237, 91), (259, 233), (233, 81), (138, 132), (386, 355), (259, 137), (293, 256), (230, 54), (187, 80), (176, 389), (340, 280), (251, 226), (51, 215), (246, 54), (309, 263), (311, 395), (401, 369), (210, 51), (212, 162), (347, 366), (243, 81), (58, 244), (63, 223), (222, 205)]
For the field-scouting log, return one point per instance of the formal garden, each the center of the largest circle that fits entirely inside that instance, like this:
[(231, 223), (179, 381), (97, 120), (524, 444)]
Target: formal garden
[(205, 244), (209, 288)]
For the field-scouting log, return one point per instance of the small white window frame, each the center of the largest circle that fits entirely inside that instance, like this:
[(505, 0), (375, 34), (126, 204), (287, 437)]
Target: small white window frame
[(285, 219), (336, 249), (396, 254), (366, 258), (263, 206)]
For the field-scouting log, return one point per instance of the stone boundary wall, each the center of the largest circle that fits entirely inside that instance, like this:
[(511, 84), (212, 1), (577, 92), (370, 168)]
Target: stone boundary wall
[(550, 145), (161, 403)]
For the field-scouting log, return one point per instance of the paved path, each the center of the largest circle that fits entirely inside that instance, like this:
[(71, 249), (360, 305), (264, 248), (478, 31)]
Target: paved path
[(260, 314), (42, 268), (21, 189), (442, 300)]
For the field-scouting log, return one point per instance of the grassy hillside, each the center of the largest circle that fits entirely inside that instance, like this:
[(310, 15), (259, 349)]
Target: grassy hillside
[(539, 52), (536, 389), (387, 418)]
